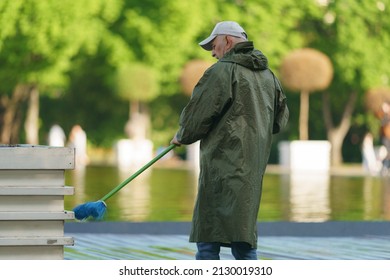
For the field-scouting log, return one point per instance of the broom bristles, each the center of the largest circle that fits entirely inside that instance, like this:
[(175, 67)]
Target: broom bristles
[(95, 210)]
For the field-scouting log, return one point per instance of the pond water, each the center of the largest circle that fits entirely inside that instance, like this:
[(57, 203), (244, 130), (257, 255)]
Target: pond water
[(162, 194)]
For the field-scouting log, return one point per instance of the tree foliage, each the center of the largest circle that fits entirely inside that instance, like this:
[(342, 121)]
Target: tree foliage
[(38, 40), (71, 50), (191, 74), (163, 34), (137, 82), (306, 70), (355, 36)]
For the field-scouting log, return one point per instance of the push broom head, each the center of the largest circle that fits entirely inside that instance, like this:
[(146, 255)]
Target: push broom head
[(95, 210)]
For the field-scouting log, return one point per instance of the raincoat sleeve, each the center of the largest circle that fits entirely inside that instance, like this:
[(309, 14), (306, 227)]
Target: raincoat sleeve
[(281, 109), (210, 98)]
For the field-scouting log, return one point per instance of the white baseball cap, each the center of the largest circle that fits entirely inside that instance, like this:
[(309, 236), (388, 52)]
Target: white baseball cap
[(224, 28)]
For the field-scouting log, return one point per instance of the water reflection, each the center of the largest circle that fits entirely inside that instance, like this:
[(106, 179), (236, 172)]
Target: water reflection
[(78, 179), (309, 197), (370, 193), (385, 194), (161, 194), (135, 198), (376, 198)]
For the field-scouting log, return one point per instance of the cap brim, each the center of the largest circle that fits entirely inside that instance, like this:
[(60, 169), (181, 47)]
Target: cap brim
[(207, 43)]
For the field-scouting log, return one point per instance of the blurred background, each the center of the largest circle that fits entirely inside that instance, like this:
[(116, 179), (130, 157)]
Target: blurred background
[(110, 77)]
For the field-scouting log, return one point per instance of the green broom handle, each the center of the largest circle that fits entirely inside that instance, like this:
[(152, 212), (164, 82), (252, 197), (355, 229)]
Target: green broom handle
[(146, 166)]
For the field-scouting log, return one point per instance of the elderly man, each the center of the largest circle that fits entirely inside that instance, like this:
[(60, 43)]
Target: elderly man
[(234, 109)]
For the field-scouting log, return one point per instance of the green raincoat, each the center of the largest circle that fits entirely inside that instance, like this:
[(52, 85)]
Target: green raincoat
[(234, 109)]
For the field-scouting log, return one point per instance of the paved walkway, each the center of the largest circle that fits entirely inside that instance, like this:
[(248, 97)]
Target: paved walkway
[(177, 247), (157, 241)]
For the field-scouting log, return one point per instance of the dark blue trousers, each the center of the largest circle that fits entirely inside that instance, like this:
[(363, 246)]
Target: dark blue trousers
[(211, 250)]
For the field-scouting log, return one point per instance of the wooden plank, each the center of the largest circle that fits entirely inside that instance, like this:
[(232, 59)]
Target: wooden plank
[(47, 190), (39, 216), (32, 253), (31, 228), (36, 157), (32, 178), (37, 241), (35, 203)]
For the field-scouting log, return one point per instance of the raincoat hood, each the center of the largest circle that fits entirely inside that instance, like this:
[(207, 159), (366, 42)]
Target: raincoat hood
[(246, 55)]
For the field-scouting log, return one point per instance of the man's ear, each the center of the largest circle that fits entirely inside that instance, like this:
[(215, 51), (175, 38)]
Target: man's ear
[(229, 42)]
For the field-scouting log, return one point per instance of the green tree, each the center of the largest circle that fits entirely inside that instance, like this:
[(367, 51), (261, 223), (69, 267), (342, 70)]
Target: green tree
[(164, 35), (276, 27), (356, 36), (137, 83), (37, 42), (78, 46), (89, 100), (306, 70)]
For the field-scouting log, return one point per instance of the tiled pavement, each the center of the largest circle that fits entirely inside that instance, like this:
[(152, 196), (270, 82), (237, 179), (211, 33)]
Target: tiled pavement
[(279, 241)]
